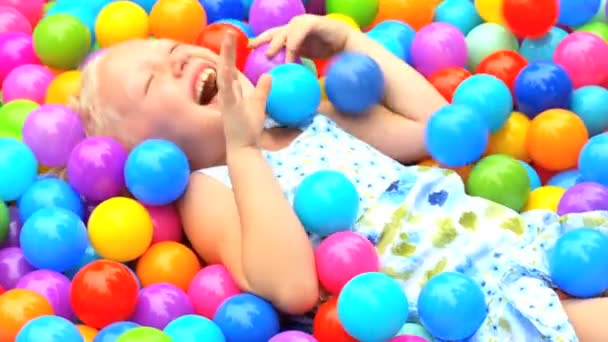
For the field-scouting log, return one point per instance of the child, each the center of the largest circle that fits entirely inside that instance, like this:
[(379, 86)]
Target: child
[(237, 210)]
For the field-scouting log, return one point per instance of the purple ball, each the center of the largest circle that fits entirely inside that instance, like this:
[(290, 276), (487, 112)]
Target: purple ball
[(583, 197), (14, 229), (51, 131), (292, 336), (53, 286), (437, 46), (266, 14), (159, 304), (316, 7), (258, 63), (96, 168), (13, 267)]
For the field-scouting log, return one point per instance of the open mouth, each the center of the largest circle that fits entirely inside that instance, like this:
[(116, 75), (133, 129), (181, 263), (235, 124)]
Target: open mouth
[(206, 86)]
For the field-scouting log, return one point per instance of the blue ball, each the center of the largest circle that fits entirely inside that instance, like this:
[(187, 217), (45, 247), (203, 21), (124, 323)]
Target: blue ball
[(53, 328), (224, 9), (535, 181), (240, 25), (145, 4), (390, 43), (354, 83), (111, 332), (192, 328), (294, 96), (541, 86), (247, 6), (247, 318), (488, 95), (452, 306), (565, 179), (326, 202), (542, 49), (157, 172), (593, 159), (18, 168), (50, 192), (462, 14), (89, 256), (578, 262), (456, 135), (54, 239), (590, 103), (372, 307), (403, 32), (575, 13)]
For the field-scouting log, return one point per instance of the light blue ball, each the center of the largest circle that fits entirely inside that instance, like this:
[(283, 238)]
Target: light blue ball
[(326, 202), (542, 49), (462, 14), (390, 43), (403, 32), (488, 95), (18, 168), (50, 192), (565, 179), (590, 103), (192, 328), (49, 329), (535, 181), (111, 332), (294, 96), (372, 307), (593, 159), (89, 256)]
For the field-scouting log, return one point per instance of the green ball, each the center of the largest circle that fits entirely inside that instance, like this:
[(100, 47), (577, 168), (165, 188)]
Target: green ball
[(48, 6), (414, 329), (310, 65), (596, 27), (487, 38), (12, 117), (601, 13), (502, 179), (61, 41), (4, 221), (362, 11), (144, 334)]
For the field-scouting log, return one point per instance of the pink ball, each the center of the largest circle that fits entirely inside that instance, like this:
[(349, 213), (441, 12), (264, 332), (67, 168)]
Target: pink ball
[(583, 55), (167, 225), (341, 257), (437, 46), (210, 288), (12, 20), (31, 9), (16, 49), (408, 338), (29, 82)]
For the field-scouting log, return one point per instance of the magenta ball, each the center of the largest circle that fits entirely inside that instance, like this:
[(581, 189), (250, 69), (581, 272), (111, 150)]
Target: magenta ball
[(31, 9), (53, 286), (12, 20), (16, 49), (316, 7), (167, 225), (583, 55), (583, 197), (437, 46), (28, 82), (159, 304), (408, 338), (14, 229), (13, 267), (266, 14), (52, 131), (96, 168), (293, 336), (210, 288), (258, 63)]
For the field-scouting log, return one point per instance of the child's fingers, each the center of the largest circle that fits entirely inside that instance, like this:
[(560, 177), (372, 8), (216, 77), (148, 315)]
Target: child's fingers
[(297, 35), (278, 42), (226, 72), (262, 38), (261, 92)]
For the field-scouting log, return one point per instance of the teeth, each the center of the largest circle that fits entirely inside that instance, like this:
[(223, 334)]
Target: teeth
[(203, 78)]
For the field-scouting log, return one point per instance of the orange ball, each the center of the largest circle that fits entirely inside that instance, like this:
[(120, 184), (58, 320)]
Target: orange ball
[(446, 80), (168, 262), (530, 18), (17, 307), (65, 86), (180, 20), (416, 13), (87, 332), (555, 139), (511, 138)]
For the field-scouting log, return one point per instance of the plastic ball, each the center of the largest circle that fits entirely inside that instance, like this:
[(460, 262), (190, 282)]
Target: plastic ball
[(577, 12), (157, 172), (84, 12), (120, 229), (14, 266), (95, 168), (580, 53), (61, 41), (64, 87), (415, 13), (541, 86), (292, 336), (583, 197), (28, 82), (192, 328), (504, 65), (578, 262), (486, 39), (511, 138), (565, 179), (437, 46), (209, 288), (592, 159), (546, 141), (344, 19), (535, 181), (414, 329), (167, 224), (224, 9), (18, 168), (111, 332), (341, 257), (13, 116), (408, 338), (55, 287), (363, 12), (88, 333), (452, 306), (179, 20), (175, 304), (590, 103), (294, 96), (12, 20), (501, 179), (326, 324), (530, 18), (542, 49), (17, 308), (399, 31), (490, 10), (90, 255), (447, 80), (31, 9), (240, 25), (247, 318), (545, 197), (57, 328), (50, 192), (599, 28), (258, 63), (16, 49), (160, 261), (390, 43), (460, 13), (147, 334), (103, 292), (4, 222), (212, 37), (456, 135), (266, 14), (354, 83), (120, 21)]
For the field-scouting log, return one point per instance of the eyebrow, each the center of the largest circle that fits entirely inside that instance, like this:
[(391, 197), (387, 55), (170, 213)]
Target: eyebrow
[(149, 81)]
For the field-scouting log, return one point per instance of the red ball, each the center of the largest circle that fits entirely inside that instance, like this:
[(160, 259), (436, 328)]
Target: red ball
[(212, 36), (504, 65), (446, 80), (326, 326), (1, 290), (530, 18), (321, 65), (544, 174), (104, 292)]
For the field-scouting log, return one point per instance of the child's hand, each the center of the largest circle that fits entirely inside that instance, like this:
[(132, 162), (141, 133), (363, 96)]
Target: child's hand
[(306, 35), (243, 118)]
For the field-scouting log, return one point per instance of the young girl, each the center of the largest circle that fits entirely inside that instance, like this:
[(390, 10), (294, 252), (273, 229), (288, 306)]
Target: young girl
[(237, 210)]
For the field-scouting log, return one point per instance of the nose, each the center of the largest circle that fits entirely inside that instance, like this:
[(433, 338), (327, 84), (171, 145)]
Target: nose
[(178, 61)]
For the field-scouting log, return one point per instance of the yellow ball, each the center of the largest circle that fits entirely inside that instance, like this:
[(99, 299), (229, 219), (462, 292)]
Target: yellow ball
[(120, 229), (546, 197), (322, 84), (88, 333), (345, 19), (490, 11), (63, 87), (120, 21), (511, 138)]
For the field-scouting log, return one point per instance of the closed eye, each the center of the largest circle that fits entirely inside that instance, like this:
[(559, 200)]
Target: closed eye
[(149, 81)]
